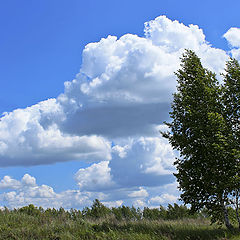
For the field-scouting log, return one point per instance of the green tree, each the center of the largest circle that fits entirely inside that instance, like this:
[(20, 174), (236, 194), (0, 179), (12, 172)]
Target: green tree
[(231, 112), (30, 210), (198, 131), (98, 210)]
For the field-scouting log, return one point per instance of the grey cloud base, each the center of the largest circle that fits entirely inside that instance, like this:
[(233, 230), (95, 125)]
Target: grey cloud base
[(117, 121)]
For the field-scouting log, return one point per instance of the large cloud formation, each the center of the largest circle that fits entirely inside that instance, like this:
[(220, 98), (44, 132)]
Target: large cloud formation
[(110, 114), (123, 90)]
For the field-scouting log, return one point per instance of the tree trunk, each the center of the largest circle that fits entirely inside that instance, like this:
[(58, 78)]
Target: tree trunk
[(226, 218), (237, 215), (237, 208)]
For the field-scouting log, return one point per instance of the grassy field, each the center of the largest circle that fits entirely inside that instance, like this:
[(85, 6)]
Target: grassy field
[(17, 225)]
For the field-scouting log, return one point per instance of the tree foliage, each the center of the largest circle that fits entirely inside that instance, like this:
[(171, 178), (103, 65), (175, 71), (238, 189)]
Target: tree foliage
[(231, 111), (204, 129)]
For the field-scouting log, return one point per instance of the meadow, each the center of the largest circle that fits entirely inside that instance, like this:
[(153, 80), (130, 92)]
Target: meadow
[(100, 222)]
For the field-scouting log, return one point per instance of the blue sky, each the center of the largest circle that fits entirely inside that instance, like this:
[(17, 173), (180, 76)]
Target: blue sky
[(97, 135), (42, 41)]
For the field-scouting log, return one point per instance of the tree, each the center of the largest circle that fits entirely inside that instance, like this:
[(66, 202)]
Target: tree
[(231, 112), (98, 210), (199, 132)]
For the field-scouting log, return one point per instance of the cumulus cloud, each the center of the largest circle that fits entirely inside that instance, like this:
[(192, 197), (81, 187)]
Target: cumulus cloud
[(236, 53), (139, 203), (26, 191), (173, 35), (141, 193), (97, 176), (145, 161), (163, 194), (164, 198), (124, 89), (125, 76), (28, 180), (31, 136), (233, 36), (128, 82), (140, 162), (137, 162), (9, 183), (137, 169), (112, 204)]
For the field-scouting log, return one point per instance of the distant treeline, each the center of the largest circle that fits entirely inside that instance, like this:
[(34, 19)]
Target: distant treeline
[(174, 222), (99, 210)]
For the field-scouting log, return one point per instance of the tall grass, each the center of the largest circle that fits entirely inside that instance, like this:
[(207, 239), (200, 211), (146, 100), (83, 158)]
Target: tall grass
[(102, 223), (22, 226)]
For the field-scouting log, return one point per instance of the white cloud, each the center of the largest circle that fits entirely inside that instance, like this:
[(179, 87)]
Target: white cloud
[(136, 162), (42, 191), (165, 194), (97, 176), (9, 183), (119, 72), (124, 89), (164, 198), (111, 204), (146, 161), (236, 53), (172, 35), (29, 192), (28, 180), (125, 85), (139, 203), (31, 136), (141, 193), (233, 36)]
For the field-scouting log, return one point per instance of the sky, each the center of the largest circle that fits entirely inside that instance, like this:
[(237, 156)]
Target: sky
[(85, 89)]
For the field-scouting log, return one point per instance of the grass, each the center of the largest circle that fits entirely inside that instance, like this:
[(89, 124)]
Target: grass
[(22, 226)]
